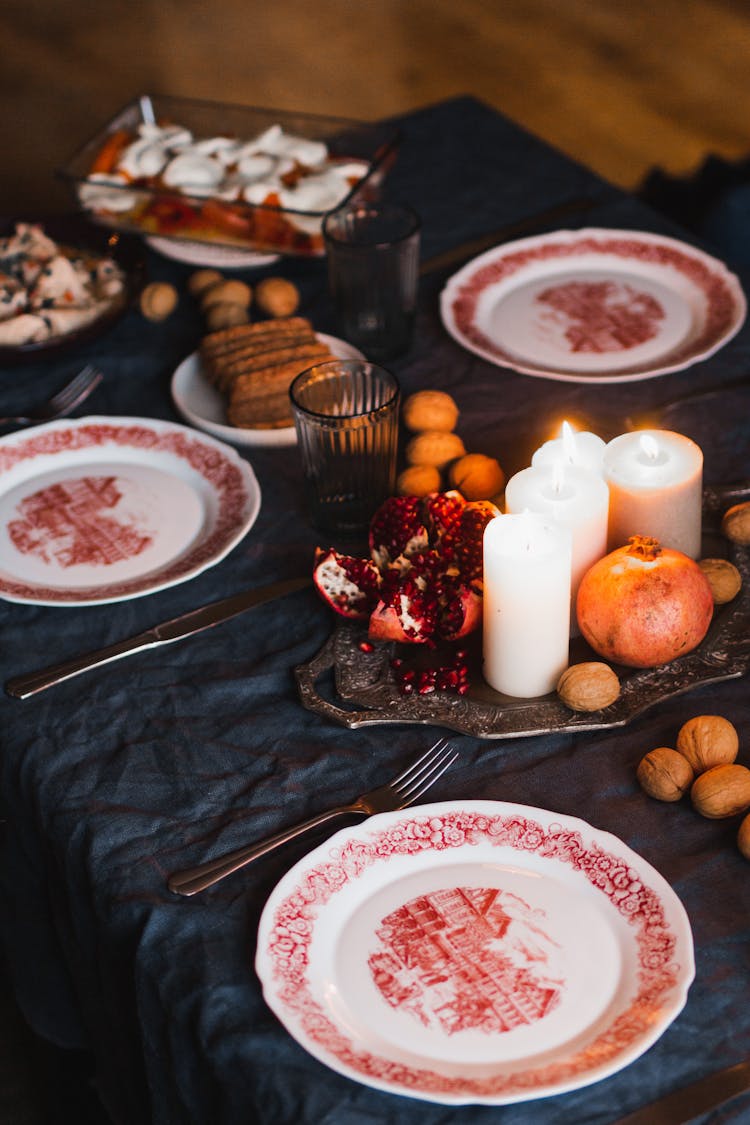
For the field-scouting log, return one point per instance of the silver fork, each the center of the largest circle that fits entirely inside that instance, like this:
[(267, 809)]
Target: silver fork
[(67, 398), (398, 793)]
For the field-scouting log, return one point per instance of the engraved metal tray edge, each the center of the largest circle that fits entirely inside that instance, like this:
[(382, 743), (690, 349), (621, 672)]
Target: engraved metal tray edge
[(364, 680)]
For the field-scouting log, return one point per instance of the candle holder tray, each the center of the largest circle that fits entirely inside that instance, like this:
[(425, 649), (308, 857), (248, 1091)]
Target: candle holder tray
[(358, 688)]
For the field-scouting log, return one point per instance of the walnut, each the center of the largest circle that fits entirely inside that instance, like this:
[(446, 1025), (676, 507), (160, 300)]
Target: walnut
[(477, 477), (418, 480), (721, 791), (664, 774), (201, 280), (708, 740), (158, 300), (225, 314), (723, 577), (227, 292), (430, 410), (588, 686), (736, 523), (743, 837), (275, 296), (434, 447)]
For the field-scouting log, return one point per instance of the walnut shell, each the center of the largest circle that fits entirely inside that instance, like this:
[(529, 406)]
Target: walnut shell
[(736, 523), (477, 477), (664, 774), (707, 741), (201, 280), (588, 686), (158, 300), (723, 577), (418, 480), (232, 292), (743, 837), (434, 447), (225, 314), (430, 410), (276, 296), (721, 791)]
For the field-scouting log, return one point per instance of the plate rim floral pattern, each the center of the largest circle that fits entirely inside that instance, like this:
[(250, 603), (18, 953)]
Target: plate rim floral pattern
[(655, 919)]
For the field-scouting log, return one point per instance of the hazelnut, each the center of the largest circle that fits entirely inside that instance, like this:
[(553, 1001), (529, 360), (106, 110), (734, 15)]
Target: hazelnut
[(708, 740), (276, 296), (736, 523), (721, 791), (430, 410), (743, 837), (158, 300), (418, 480), (723, 577), (664, 774), (588, 686), (434, 447), (477, 477), (226, 292), (225, 314), (201, 280)]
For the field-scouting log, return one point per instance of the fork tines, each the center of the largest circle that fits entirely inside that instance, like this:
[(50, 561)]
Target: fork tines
[(417, 778)]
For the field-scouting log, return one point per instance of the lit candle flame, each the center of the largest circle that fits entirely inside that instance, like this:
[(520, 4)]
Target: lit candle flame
[(567, 434), (649, 446)]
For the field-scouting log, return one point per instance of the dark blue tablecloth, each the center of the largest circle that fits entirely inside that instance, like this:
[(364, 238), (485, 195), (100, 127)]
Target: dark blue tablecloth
[(112, 780)]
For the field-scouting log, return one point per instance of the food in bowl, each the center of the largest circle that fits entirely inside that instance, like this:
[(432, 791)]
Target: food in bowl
[(259, 179), (48, 290)]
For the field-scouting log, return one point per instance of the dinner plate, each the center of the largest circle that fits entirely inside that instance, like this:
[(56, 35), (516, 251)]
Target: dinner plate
[(474, 951), (594, 305), (102, 509), (195, 253), (199, 402)]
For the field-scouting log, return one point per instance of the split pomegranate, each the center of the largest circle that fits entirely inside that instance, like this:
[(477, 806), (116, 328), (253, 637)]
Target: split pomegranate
[(423, 581), (644, 605)]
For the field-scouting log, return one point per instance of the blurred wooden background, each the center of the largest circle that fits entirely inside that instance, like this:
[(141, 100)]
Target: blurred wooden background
[(621, 86)]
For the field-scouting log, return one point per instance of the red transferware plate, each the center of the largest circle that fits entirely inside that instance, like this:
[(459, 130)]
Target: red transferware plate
[(594, 306), (474, 951)]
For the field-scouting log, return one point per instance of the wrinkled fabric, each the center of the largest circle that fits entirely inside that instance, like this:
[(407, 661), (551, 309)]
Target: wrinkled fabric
[(114, 779)]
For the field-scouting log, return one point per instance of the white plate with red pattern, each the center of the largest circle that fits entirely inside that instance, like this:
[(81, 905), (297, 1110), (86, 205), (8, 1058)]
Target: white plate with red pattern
[(474, 952), (594, 305), (102, 509)]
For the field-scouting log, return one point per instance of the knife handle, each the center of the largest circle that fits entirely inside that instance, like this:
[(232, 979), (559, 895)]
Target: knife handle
[(21, 687)]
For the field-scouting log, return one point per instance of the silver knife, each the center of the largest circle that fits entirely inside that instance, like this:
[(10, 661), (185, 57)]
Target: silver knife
[(168, 631), (699, 1097)]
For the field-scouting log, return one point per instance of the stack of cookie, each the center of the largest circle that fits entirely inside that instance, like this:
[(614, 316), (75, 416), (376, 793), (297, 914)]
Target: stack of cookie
[(253, 365)]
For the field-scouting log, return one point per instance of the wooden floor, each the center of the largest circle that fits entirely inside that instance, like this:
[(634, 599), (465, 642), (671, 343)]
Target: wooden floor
[(621, 86)]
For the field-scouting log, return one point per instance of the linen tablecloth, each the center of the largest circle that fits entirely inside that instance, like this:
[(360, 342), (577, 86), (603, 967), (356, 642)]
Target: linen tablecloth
[(114, 779)]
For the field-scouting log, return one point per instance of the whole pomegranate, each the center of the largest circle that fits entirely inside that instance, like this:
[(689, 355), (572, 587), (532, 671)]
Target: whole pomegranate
[(423, 580), (644, 605)]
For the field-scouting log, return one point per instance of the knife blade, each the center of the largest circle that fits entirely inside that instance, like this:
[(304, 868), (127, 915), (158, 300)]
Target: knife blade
[(21, 687), (457, 255), (683, 1105)]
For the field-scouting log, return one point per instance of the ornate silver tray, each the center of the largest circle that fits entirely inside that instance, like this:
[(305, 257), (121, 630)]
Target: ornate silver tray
[(360, 688)]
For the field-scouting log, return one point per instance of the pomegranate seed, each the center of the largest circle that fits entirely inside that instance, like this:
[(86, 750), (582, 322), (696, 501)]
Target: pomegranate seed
[(366, 646)]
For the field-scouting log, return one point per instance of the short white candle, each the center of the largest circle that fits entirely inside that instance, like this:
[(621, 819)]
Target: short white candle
[(655, 480), (576, 499), (526, 604), (584, 450)]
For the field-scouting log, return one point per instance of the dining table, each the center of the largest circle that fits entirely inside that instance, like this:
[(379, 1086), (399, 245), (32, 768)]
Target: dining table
[(114, 779)]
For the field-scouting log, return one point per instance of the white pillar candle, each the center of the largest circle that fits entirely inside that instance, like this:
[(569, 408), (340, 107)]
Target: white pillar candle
[(526, 604), (576, 499), (655, 480), (584, 450)]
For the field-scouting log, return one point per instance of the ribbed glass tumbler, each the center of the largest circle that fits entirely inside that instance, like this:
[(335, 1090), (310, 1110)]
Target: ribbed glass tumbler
[(346, 417)]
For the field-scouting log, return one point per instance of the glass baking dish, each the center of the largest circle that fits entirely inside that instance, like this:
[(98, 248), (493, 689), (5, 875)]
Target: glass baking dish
[(227, 175)]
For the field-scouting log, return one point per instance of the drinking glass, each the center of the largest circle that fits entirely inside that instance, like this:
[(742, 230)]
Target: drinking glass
[(373, 270), (346, 417)]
